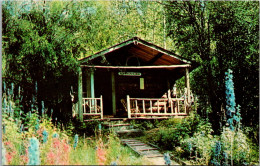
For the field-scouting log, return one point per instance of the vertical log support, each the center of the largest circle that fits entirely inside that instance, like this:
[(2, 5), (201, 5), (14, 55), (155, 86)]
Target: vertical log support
[(88, 83), (113, 92), (187, 82), (92, 88), (80, 110), (128, 106), (101, 106)]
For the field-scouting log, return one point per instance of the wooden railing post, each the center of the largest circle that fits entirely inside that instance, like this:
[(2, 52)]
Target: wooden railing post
[(143, 106), (151, 105), (128, 106), (171, 101), (101, 106)]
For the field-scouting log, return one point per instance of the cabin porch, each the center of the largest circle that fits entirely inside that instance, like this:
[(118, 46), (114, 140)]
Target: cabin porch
[(133, 79), (138, 108)]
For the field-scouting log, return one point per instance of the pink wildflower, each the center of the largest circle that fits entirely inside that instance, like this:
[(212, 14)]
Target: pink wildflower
[(24, 159), (51, 158), (10, 151), (56, 142), (59, 153), (9, 157), (101, 154)]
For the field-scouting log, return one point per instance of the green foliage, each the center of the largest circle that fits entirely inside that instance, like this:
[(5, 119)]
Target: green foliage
[(197, 148), (219, 35), (237, 147), (42, 42), (144, 124), (170, 133)]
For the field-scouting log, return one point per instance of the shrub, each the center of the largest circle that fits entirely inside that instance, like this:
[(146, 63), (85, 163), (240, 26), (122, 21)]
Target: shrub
[(171, 132), (239, 150), (198, 147)]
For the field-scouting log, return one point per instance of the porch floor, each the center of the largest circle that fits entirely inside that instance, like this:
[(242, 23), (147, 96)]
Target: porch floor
[(113, 118)]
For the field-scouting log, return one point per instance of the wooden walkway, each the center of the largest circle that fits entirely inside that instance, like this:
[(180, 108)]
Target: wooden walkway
[(151, 153)]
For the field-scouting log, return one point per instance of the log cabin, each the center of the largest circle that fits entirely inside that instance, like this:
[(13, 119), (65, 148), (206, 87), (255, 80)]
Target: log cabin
[(132, 79)]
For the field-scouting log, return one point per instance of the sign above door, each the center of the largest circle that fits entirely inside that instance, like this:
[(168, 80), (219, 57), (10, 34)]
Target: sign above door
[(129, 73)]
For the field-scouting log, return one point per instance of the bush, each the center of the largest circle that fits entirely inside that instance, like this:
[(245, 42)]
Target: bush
[(198, 147), (207, 149), (170, 133), (237, 147)]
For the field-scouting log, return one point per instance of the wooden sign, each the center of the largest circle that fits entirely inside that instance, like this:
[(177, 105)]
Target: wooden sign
[(129, 73)]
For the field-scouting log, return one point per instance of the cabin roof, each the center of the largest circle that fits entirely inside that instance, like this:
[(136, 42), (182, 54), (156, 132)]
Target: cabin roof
[(152, 54)]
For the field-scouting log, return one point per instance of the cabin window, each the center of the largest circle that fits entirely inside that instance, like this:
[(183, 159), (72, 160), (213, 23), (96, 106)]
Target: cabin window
[(141, 83)]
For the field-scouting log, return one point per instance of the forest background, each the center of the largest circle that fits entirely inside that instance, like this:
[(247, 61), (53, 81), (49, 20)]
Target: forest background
[(42, 41)]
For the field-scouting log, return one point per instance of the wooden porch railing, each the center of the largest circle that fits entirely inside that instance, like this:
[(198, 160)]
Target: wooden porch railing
[(93, 106), (156, 106)]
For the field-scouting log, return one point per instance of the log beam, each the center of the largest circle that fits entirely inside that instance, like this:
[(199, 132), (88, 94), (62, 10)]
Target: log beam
[(139, 67)]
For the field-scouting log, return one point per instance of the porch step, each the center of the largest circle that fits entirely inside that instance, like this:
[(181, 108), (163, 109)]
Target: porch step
[(150, 152), (116, 125), (123, 129)]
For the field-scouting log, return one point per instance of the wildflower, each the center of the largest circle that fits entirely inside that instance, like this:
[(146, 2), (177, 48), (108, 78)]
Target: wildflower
[(217, 148), (10, 107), (113, 163), (167, 158), (51, 158), (3, 155), (24, 159), (5, 105), (66, 147), (12, 88), (101, 156), (19, 91), (36, 87), (37, 124), (34, 153), (4, 86), (230, 96), (42, 107), (45, 136), (10, 151), (75, 141), (190, 146), (8, 157), (100, 152), (21, 128), (56, 143), (55, 135), (4, 128)]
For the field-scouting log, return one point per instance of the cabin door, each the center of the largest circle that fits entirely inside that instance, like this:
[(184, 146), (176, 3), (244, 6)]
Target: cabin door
[(103, 87)]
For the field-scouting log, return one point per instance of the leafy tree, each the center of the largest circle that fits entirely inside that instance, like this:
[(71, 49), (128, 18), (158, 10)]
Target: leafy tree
[(219, 35), (43, 40)]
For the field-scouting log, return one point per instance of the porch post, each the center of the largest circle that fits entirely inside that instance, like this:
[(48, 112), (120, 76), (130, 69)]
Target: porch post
[(92, 88), (88, 83), (128, 106), (113, 92), (80, 111), (187, 82)]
